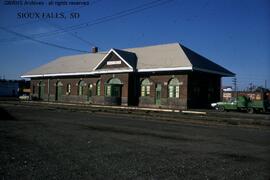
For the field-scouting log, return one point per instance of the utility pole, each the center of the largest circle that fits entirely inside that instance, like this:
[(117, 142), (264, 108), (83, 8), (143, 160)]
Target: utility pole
[(234, 81)]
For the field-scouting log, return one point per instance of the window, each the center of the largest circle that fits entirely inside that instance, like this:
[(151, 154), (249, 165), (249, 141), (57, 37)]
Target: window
[(173, 88), (98, 88), (34, 89), (145, 87), (108, 90), (68, 89), (80, 88)]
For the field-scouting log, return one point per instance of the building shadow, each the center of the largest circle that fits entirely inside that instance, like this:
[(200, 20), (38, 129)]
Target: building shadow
[(5, 115)]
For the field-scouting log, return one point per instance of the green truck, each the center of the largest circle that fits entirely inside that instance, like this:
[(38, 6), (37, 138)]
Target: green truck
[(243, 103)]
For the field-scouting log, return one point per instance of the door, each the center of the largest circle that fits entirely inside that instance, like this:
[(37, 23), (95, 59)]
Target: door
[(116, 90), (41, 90), (89, 93), (58, 91), (113, 92), (158, 94)]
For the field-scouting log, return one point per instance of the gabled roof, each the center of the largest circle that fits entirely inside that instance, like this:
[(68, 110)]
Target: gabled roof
[(200, 63), (127, 57), (161, 58), (68, 65), (167, 57)]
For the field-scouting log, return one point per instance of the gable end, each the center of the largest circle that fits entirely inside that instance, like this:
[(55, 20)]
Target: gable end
[(113, 61)]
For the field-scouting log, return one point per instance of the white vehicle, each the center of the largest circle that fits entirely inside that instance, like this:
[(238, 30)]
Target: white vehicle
[(24, 97)]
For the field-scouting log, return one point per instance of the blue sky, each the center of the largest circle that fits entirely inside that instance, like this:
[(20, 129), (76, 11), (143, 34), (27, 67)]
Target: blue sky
[(232, 33)]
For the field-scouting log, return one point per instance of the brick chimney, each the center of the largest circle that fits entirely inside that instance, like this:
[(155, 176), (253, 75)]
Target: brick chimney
[(94, 49)]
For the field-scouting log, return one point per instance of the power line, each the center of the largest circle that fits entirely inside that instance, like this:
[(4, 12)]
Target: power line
[(42, 42), (71, 33), (34, 21), (104, 19)]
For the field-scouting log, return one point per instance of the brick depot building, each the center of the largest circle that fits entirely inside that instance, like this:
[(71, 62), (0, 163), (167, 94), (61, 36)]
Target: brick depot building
[(163, 76)]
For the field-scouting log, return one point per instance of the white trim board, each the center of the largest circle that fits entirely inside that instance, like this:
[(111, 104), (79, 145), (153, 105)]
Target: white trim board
[(113, 71), (78, 73), (126, 70), (58, 74), (211, 71), (166, 69)]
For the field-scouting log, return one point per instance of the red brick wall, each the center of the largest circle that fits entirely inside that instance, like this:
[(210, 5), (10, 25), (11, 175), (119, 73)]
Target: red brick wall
[(204, 89), (178, 103), (187, 97), (122, 77)]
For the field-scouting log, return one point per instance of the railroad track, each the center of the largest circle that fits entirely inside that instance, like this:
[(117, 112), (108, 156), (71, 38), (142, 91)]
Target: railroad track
[(231, 118)]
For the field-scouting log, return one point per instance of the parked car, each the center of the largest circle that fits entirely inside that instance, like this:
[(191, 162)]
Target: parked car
[(24, 97)]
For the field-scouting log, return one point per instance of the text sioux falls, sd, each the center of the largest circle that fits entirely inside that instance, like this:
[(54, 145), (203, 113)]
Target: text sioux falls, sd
[(47, 15)]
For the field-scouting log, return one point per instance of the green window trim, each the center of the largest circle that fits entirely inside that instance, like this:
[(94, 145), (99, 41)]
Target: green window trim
[(114, 81), (108, 90), (173, 88), (98, 88), (145, 87), (80, 88)]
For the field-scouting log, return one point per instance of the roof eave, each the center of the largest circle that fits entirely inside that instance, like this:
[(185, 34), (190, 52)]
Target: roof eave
[(225, 74), (57, 74), (165, 69)]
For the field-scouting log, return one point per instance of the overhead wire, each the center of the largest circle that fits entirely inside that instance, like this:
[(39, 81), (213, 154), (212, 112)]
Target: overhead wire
[(58, 27), (41, 42), (36, 20), (100, 20), (106, 18), (71, 34)]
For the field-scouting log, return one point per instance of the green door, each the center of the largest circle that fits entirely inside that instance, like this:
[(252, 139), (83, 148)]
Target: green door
[(41, 90), (89, 94), (116, 90), (58, 92), (158, 94), (113, 92)]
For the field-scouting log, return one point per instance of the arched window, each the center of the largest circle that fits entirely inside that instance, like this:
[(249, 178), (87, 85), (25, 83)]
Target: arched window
[(98, 88), (145, 87), (80, 88), (173, 88), (68, 89)]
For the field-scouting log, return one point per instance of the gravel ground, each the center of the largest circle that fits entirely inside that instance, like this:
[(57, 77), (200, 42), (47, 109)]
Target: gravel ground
[(49, 143)]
